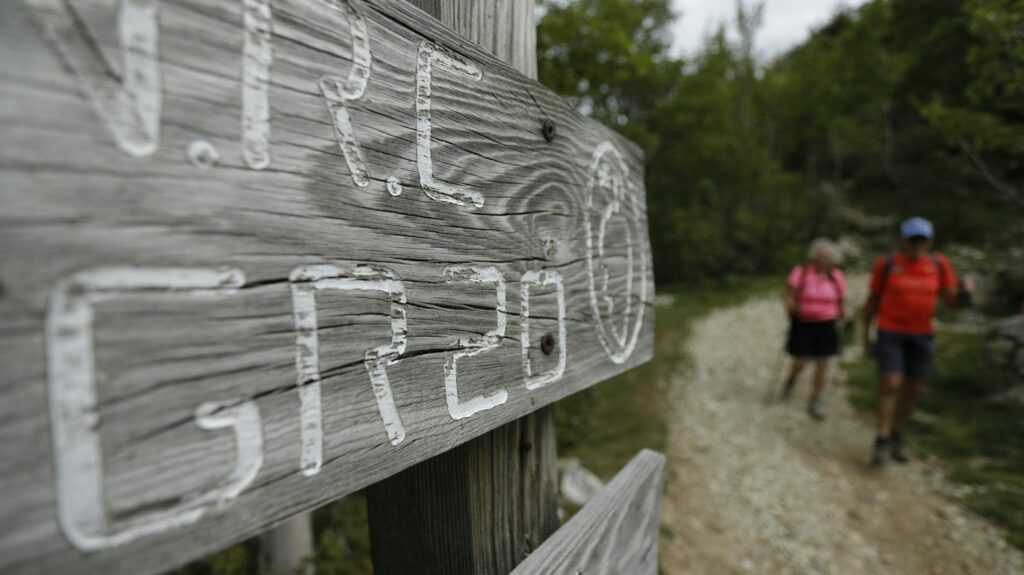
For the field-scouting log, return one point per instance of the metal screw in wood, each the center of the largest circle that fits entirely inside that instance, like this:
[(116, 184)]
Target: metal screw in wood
[(548, 129), (547, 343)]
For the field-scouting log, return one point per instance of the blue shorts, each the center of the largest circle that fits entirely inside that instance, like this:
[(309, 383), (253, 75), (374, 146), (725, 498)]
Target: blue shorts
[(907, 353)]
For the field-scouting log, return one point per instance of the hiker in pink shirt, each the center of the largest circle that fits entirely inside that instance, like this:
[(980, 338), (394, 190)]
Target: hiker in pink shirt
[(814, 302)]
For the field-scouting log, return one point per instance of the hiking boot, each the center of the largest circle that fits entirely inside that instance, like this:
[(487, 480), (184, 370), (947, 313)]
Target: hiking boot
[(816, 409), (897, 450), (879, 451), (787, 391)]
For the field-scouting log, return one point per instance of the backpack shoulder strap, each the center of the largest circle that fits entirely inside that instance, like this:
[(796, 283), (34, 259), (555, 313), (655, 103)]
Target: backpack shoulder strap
[(835, 283)]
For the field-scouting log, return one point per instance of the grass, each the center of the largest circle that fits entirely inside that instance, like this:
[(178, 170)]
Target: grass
[(607, 424), (961, 421)]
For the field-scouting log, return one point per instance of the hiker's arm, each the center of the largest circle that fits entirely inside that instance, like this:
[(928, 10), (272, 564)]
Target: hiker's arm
[(955, 293), (790, 300), (951, 297), (842, 301)]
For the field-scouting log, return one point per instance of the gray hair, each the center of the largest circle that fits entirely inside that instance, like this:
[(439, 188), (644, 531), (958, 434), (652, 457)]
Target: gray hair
[(824, 247)]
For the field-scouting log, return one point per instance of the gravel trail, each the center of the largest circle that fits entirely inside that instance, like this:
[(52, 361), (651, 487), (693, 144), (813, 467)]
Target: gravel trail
[(766, 489)]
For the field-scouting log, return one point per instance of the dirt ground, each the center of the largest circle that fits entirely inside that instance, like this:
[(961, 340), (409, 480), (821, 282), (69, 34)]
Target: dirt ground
[(765, 489)]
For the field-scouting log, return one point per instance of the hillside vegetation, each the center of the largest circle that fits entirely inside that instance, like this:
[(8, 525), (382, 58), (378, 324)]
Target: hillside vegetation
[(899, 107)]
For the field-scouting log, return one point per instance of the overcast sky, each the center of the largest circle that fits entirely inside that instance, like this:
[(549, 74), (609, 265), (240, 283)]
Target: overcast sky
[(786, 22)]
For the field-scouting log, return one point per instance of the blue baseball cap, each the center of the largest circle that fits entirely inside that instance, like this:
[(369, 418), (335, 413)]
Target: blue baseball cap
[(917, 227)]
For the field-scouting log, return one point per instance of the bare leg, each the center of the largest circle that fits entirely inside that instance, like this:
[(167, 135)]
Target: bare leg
[(820, 373), (887, 393), (798, 365), (814, 405), (909, 394)]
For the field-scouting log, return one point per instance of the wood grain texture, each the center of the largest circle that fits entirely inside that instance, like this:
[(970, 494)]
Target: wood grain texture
[(479, 509), (503, 28), (76, 210), (616, 532)]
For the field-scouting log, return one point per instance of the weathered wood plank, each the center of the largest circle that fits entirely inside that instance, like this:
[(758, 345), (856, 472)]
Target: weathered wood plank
[(615, 532), (482, 507), (159, 392), (504, 28)]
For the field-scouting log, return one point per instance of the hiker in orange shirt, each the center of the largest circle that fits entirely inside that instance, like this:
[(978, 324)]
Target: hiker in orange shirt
[(905, 288)]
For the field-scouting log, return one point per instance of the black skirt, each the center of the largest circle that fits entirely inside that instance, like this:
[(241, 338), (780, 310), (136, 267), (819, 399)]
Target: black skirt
[(812, 338)]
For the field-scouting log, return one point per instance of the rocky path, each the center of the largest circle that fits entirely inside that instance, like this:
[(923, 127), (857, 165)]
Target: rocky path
[(765, 489)]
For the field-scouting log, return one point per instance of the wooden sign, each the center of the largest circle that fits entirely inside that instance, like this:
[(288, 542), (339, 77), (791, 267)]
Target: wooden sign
[(260, 254), (616, 532)]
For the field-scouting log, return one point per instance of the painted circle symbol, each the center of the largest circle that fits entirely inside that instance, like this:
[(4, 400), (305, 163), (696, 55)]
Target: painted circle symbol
[(617, 253)]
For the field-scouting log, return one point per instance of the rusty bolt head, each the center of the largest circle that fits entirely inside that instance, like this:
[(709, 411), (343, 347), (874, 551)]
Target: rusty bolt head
[(547, 343), (548, 129)]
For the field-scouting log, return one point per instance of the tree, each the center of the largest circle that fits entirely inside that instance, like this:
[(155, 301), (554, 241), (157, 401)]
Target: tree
[(611, 59), (719, 202)]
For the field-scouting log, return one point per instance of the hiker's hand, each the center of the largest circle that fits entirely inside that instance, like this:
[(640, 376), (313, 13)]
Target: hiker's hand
[(869, 348), (965, 292)]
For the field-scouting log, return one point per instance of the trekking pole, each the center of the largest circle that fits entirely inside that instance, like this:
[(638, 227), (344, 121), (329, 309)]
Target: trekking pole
[(835, 376), (772, 393)]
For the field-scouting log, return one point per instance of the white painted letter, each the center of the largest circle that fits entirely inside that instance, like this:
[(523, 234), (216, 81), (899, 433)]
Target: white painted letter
[(129, 105), (542, 278), (339, 91), (468, 347), (306, 281), (74, 416), (257, 56), (428, 54)]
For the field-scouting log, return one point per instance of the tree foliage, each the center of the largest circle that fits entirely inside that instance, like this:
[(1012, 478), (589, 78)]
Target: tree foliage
[(917, 108), (899, 107)]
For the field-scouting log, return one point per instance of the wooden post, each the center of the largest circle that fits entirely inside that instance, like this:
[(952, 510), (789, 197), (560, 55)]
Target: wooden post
[(288, 548), (505, 28), (482, 507)]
